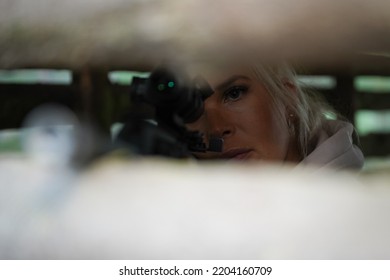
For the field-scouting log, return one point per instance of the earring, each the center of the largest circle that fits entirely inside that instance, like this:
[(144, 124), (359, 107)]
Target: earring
[(291, 124), (290, 120)]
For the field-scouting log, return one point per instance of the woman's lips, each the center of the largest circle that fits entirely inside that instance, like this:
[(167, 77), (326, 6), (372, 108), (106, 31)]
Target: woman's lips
[(236, 154)]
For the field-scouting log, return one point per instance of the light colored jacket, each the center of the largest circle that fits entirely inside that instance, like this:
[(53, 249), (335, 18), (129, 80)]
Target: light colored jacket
[(334, 148)]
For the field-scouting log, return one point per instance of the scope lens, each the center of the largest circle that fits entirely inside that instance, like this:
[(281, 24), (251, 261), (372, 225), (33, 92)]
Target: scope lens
[(161, 87), (167, 85)]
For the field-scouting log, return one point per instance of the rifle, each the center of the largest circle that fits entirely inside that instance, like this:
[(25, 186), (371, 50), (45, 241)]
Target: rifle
[(161, 106)]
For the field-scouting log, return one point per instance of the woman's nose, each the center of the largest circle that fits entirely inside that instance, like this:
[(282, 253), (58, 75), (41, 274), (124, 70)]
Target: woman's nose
[(218, 122)]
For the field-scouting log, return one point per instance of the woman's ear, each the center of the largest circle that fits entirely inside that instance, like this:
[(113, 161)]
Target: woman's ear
[(291, 86), (291, 117)]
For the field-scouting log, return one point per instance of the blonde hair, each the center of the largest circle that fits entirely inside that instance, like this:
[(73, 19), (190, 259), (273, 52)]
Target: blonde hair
[(309, 110)]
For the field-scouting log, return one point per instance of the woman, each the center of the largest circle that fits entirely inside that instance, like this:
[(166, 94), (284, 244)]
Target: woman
[(262, 113)]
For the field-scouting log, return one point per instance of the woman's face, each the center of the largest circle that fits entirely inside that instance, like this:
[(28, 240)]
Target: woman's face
[(240, 111)]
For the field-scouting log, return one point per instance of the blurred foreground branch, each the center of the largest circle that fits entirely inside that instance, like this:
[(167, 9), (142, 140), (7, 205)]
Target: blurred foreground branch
[(138, 34)]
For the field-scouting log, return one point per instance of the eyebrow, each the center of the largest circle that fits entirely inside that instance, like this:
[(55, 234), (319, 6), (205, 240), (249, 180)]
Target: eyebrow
[(229, 81)]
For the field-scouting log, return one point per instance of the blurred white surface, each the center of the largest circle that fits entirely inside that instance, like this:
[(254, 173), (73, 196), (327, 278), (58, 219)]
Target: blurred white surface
[(159, 209)]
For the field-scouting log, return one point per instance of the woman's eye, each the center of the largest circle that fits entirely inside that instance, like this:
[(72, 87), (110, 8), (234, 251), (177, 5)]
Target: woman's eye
[(234, 93)]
